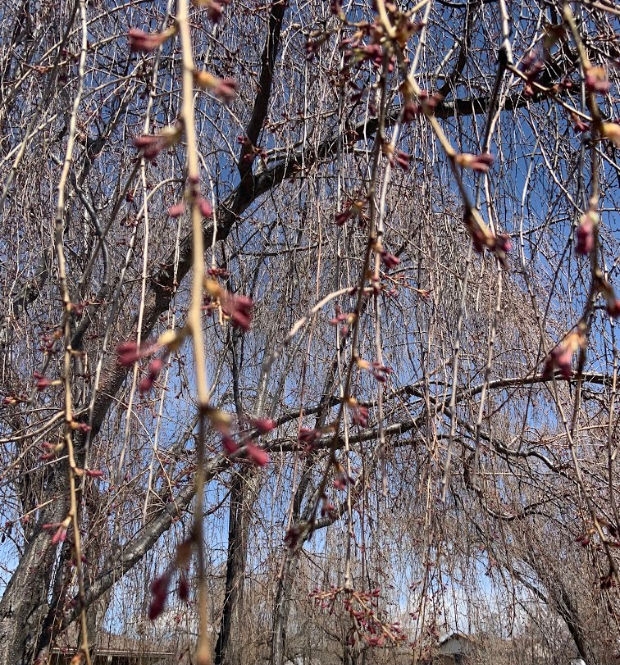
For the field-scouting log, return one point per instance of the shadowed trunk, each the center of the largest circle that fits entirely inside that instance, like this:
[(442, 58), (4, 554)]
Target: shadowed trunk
[(238, 523)]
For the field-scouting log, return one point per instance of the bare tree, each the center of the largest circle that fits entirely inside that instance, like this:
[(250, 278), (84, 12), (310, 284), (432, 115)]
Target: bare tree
[(308, 306)]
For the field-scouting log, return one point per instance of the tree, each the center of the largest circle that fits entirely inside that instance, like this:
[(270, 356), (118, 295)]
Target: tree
[(346, 271)]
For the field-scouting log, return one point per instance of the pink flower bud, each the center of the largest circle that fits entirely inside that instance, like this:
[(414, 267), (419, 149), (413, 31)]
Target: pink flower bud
[(205, 207), (256, 454), (264, 425), (340, 482), (585, 236), (159, 591), (61, 532), (308, 436), (359, 416), (411, 111), (42, 382), (94, 473), (143, 42), (81, 427), (613, 307), (239, 308), (390, 260), (226, 89), (596, 80), (402, 159), (230, 445), (481, 163), (341, 217), (177, 209), (183, 589), (503, 242), (579, 124), (154, 368), (328, 509), (215, 10), (127, 353), (561, 356), (150, 145)]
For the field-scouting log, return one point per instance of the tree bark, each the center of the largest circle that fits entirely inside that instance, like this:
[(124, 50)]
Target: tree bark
[(25, 608), (238, 525)]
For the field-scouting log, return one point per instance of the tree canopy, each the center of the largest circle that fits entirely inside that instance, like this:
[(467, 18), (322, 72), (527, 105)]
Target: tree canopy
[(308, 345)]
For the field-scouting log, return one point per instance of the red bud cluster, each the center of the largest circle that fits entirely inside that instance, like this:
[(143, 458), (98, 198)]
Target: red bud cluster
[(363, 610), (61, 531)]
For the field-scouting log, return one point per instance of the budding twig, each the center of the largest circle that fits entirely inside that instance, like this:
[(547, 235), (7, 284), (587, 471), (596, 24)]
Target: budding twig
[(73, 474)]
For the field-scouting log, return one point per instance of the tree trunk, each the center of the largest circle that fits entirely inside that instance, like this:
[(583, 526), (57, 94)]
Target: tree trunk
[(24, 608), (238, 524), (282, 608)]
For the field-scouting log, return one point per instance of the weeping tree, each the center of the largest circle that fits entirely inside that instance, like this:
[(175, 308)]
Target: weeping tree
[(330, 286)]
